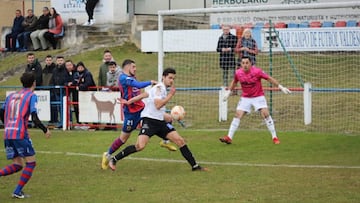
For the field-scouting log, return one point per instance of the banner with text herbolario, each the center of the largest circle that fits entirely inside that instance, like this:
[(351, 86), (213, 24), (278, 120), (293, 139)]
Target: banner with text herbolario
[(313, 39)]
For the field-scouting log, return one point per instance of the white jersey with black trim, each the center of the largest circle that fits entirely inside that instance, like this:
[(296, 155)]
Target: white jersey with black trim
[(158, 91)]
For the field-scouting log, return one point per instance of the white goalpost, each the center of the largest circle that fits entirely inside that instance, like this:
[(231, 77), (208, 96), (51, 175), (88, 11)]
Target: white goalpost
[(320, 64)]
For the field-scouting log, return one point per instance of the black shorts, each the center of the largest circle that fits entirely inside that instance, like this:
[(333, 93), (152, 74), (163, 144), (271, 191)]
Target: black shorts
[(152, 127)]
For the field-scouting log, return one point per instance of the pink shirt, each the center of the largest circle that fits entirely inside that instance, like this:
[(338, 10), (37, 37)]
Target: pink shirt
[(251, 81)]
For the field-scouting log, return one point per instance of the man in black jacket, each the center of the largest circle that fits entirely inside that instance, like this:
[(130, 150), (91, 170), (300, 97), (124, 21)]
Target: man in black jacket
[(226, 48), (35, 67)]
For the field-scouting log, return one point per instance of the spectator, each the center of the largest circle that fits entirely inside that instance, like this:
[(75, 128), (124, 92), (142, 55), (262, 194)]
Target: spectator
[(83, 79), (29, 25), (112, 75), (90, 7), (247, 46), (226, 47), (112, 83), (10, 39), (70, 72), (57, 79), (55, 27), (48, 70), (35, 67), (104, 68), (42, 26)]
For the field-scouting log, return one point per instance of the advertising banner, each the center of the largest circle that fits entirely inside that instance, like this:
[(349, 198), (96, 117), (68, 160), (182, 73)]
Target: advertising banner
[(100, 107), (314, 39)]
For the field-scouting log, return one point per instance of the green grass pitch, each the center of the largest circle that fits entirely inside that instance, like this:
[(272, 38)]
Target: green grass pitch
[(305, 167)]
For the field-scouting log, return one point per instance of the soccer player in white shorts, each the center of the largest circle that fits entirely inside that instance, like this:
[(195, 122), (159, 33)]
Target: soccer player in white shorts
[(250, 77)]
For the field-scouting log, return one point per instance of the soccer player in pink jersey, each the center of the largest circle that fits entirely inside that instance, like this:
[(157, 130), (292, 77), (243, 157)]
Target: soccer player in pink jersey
[(249, 77), (15, 114)]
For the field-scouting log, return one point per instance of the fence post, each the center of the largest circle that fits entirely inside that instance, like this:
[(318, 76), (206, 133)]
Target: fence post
[(223, 109), (307, 103)]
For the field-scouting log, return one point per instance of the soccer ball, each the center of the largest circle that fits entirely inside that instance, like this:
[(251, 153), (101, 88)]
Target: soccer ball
[(178, 113)]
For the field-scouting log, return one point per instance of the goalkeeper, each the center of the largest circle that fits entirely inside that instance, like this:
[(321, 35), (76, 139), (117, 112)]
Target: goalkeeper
[(249, 78)]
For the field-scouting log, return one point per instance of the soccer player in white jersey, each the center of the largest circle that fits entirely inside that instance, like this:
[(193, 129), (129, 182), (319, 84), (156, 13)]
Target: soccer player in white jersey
[(154, 123), (249, 78)]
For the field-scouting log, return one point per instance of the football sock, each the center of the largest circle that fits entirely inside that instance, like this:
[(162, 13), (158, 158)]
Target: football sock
[(270, 125), (233, 127), (115, 145), (166, 141), (10, 169), (185, 151), (25, 176), (126, 152)]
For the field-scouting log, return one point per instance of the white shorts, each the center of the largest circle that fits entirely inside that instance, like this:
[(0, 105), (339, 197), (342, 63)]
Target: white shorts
[(245, 103)]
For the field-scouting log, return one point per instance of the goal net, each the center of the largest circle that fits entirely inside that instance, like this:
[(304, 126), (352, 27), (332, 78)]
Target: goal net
[(297, 44)]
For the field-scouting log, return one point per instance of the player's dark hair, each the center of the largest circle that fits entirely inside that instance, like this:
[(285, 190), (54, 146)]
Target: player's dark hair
[(48, 56), (27, 79), (107, 51), (246, 57), (168, 71), (127, 62), (60, 57)]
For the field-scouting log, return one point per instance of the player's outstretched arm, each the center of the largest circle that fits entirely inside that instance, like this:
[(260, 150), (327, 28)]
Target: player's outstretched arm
[(229, 90), (276, 83)]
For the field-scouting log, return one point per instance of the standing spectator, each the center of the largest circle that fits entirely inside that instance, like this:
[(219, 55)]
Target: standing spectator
[(250, 77), (70, 72), (29, 25), (17, 140), (226, 47), (58, 79), (42, 26), (10, 39), (55, 27), (35, 67), (104, 68), (83, 79), (47, 75), (247, 46), (112, 75), (48, 70), (90, 7)]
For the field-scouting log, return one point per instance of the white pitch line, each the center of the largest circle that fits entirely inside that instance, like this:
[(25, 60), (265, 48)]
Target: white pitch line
[(212, 163)]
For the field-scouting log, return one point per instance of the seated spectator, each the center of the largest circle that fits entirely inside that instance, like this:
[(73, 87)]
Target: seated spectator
[(55, 27), (35, 67), (42, 25), (29, 25), (10, 39)]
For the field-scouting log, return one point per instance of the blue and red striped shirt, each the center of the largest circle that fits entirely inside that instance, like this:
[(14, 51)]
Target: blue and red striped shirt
[(18, 107), (129, 88)]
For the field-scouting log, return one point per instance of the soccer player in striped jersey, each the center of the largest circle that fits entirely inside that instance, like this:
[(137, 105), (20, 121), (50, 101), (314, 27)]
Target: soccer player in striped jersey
[(15, 113), (249, 77), (154, 122), (129, 88)]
